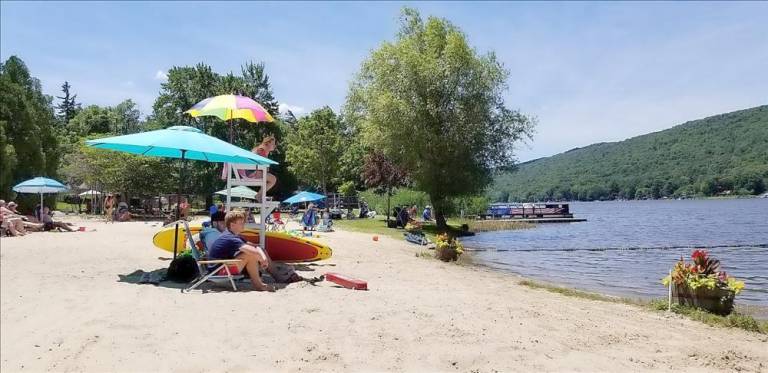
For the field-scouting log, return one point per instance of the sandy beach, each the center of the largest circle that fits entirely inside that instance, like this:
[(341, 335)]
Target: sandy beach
[(70, 302)]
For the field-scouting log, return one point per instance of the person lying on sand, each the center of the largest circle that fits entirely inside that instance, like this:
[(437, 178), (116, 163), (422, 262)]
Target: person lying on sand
[(231, 246)]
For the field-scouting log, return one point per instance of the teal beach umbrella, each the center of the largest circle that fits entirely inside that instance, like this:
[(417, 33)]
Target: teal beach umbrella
[(304, 197), (40, 185), (180, 142)]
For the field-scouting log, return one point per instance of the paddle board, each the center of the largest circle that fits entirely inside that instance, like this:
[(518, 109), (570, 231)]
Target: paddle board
[(281, 246)]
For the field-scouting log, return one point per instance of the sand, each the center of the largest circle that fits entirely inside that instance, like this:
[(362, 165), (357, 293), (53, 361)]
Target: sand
[(67, 305)]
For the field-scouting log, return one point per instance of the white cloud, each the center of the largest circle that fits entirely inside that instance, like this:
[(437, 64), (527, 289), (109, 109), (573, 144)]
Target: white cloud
[(296, 110), (161, 75)]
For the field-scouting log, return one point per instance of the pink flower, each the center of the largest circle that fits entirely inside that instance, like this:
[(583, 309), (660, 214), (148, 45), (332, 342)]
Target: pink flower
[(700, 253)]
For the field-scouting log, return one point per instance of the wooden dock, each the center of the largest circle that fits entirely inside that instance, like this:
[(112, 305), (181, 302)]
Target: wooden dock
[(547, 220), (530, 220)]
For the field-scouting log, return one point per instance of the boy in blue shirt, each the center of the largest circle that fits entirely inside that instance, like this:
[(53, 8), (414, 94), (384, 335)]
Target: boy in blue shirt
[(231, 246)]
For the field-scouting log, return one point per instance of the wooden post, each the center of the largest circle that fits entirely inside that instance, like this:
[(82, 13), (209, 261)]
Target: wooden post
[(669, 306)]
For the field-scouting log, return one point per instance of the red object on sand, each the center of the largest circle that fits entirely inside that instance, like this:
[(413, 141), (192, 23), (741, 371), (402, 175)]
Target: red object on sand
[(347, 282)]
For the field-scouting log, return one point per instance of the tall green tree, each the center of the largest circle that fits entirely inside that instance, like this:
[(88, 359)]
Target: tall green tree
[(28, 143), (127, 118), (94, 119), (68, 107), (315, 147), (431, 103), (256, 86)]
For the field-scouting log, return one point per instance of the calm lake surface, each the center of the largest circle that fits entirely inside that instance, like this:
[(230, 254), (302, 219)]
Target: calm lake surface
[(626, 248)]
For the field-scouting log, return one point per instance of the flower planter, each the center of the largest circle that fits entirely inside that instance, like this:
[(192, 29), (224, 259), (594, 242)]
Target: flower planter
[(718, 301), (447, 254)]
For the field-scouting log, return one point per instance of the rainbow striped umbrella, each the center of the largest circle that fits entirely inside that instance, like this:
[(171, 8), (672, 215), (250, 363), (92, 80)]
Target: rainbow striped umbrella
[(228, 107)]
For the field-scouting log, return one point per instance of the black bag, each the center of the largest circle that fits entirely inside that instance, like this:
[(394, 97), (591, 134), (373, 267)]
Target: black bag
[(183, 269)]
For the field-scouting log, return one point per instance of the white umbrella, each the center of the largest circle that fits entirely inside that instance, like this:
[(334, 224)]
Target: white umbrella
[(240, 192), (90, 193)]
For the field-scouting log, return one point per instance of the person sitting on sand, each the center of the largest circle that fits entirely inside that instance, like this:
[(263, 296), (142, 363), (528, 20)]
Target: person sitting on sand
[(49, 224), (28, 225), (231, 246), (14, 221), (209, 235), (10, 221), (122, 212)]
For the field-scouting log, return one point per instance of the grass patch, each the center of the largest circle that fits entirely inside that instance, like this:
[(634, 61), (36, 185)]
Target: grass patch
[(497, 225), (575, 293), (67, 207), (734, 320), (426, 254), (378, 225)]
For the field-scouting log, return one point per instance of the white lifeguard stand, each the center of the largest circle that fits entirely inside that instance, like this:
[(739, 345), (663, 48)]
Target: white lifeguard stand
[(263, 206)]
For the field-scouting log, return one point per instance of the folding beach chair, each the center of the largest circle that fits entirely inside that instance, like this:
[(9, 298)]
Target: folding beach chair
[(214, 270), (274, 223)]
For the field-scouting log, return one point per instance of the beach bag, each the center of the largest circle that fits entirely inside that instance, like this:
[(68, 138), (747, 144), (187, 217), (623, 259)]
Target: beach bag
[(183, 269), (282, 273)]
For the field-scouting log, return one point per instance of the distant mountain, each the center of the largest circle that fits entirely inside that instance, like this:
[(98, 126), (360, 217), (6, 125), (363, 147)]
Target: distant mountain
[(720, 155)]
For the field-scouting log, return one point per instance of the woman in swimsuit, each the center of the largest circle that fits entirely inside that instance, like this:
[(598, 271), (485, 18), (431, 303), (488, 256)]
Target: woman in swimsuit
[(268, 145)]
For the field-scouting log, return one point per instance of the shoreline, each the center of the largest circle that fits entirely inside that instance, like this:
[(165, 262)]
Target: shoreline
[(759, 312), (69, 303)]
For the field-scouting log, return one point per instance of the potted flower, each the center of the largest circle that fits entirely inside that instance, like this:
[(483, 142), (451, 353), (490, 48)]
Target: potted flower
[(701, 284), (448, 248)]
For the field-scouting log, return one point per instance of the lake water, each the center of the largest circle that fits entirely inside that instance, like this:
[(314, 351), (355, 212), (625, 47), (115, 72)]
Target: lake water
[(626, 248)]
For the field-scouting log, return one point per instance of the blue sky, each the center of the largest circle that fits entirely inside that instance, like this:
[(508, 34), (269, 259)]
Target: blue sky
[(589, 72)]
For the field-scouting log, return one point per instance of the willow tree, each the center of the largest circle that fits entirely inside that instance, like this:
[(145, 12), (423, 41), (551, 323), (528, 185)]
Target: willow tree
[(315, 148), (432, 104)]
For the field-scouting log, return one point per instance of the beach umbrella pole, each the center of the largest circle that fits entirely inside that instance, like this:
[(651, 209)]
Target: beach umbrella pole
[(178, 203), (41, 207)]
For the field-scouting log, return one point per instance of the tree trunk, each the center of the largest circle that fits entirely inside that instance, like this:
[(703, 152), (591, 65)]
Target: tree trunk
[(208, 200), (439, 205), (389, 195), (440, 220)]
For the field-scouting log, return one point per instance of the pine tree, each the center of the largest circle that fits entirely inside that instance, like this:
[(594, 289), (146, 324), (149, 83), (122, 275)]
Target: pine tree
[(68, 107)]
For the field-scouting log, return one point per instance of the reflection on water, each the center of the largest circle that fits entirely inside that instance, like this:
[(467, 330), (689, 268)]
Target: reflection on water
[(625, 248)]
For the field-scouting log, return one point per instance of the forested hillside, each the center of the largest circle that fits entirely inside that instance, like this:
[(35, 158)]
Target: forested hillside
[(720, 155)]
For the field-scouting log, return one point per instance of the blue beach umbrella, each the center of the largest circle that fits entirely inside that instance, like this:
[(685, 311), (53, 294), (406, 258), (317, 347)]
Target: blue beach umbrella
[(40, 185), (180, 142), (304, 197)]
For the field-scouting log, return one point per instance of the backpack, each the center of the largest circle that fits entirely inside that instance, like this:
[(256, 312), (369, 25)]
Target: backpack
[(183, 269), (282, 273)]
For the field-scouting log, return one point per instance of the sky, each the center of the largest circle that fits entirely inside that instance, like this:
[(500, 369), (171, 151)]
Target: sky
[(588, 72)]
